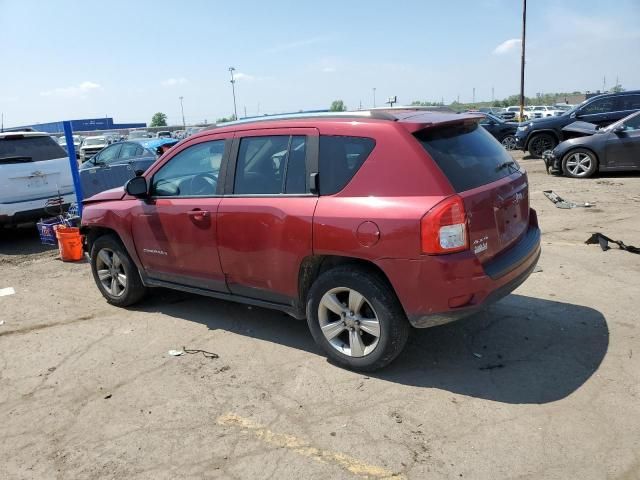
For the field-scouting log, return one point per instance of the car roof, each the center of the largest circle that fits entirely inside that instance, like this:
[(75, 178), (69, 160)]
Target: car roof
[(412, 118), (153, 142), (18, 133)]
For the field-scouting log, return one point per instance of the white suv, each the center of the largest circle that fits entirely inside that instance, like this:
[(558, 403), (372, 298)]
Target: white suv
[(33, 170)]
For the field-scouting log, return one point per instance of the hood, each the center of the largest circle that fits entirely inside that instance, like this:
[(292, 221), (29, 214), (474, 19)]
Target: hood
[(90, 147), (113, 194), (584, 128)]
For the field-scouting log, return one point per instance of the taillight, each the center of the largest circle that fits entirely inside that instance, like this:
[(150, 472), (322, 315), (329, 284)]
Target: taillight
[(443, 229)]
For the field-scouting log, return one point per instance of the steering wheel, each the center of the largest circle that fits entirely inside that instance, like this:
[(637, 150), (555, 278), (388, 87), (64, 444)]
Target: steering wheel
[(203, 184)]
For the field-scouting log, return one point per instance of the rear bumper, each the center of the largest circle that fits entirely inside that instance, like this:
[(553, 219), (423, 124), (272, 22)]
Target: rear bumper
[(458, 285), (29, 210)]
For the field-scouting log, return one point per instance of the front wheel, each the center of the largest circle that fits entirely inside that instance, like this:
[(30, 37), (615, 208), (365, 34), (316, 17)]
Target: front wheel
[(114, 272), (579, 163), (540, 143), (356, 318), (509, 142)]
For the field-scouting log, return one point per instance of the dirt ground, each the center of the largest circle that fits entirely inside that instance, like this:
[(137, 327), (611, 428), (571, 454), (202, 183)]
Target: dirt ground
[(544, 385)]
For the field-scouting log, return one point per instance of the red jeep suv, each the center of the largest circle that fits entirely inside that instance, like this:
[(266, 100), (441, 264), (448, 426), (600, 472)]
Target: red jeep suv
[(364, 223)]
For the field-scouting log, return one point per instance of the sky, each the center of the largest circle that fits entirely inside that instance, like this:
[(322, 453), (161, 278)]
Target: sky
[(68, 59)]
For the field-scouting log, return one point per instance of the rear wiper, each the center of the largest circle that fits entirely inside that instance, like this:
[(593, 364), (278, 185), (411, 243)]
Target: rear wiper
[(16, 159), (509, 164)]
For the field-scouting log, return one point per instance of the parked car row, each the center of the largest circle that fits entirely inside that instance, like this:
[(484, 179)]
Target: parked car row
[(540, 135)]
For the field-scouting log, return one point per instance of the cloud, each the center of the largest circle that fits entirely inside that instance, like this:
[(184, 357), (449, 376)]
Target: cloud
[(507, 46), (296, 44), (75, 91), (244, 77), (328, 69), (172, 82)]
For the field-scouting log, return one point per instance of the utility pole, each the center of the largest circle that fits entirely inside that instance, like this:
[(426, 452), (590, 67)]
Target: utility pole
[(374, 97), (493, 97), (245, 111), (2, 122), (233, 89), (524, 35), (604, 83), (184, 125), (474, 96)]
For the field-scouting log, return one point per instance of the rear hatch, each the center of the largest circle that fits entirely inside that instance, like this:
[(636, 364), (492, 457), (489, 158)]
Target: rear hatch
[(32, 167), (491, 184)]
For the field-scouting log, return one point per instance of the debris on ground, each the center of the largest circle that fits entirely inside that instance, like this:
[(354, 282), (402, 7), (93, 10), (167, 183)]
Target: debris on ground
[(1, 322), (603, 241), (562, 203), (7, 291), (478, 355), (178, 353), (492, 366)]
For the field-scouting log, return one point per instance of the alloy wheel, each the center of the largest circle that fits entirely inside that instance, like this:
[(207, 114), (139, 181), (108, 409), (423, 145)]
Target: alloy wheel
[(579, 164), (540, 144), (111, 272), (509, 142), (349, 322)]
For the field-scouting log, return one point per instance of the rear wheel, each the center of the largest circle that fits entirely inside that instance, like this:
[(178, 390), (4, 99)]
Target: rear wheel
[(579, 163), (356, 318), (114, 272), (540, 143)]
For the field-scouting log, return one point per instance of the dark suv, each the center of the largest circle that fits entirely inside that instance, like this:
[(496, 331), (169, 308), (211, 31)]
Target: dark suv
[(363, 223), (543, 134)]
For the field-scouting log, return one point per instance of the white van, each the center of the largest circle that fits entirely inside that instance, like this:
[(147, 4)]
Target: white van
[(33, 170)]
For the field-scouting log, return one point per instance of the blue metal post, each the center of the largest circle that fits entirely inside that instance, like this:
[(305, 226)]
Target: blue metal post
[(73, 164)]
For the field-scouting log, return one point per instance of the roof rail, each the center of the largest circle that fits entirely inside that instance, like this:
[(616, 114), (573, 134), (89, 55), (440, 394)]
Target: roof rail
[(379, 115)]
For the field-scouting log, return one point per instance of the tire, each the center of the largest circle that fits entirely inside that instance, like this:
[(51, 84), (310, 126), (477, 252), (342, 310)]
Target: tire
[(114, 272), (541, 143), (579, 163), (509, 142), (352, 342)]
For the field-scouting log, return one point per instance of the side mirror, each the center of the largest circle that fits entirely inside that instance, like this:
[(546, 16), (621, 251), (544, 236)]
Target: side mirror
[(619, 129), (136, 187)]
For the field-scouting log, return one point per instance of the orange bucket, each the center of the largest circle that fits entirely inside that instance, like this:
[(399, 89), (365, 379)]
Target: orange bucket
[(69, 243)]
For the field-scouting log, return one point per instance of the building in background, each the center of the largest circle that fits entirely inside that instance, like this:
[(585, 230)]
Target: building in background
[(84, 125)]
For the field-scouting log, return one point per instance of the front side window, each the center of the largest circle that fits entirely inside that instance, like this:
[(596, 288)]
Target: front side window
[(130, 150), (192, 172), (108, 155), (603, 105), (268, 165), (340, 159)]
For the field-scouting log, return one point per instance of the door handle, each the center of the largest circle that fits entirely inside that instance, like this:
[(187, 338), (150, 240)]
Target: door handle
[(198, 214)]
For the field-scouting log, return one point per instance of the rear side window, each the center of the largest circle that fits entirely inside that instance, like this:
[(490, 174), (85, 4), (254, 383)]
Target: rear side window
[(629, 102), (467, 154), (340, 159), (24, 149), (602, 105)]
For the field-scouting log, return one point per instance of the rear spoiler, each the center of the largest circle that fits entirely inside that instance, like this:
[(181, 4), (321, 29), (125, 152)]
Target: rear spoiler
[(415, 123)]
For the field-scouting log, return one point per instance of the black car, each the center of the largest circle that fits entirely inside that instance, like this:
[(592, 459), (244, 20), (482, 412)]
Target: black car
[(112, 166), (543, 134), (614, 148), (503, 131)]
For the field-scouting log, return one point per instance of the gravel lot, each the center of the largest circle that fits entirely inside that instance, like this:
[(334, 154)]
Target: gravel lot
[(544, 385)]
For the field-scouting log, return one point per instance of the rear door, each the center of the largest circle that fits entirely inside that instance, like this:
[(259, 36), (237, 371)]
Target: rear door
[(493, 187), (265, 218), (32, 168)]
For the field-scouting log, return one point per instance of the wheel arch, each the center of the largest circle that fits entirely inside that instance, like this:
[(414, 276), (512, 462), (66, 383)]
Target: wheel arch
[(315, 265), (532, 135)]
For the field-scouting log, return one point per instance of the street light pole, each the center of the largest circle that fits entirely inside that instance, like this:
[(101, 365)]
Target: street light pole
[(374, 97), (524, 33), (184, 125), (233, 89)]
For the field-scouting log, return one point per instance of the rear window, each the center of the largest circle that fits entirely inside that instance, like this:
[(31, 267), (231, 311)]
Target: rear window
[(340, 159), (467, 154), (20, 149)]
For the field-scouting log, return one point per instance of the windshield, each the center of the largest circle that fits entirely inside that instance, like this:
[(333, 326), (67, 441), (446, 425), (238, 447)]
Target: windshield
[(27, 148), (95, 141), (138, 134), (630, 121)]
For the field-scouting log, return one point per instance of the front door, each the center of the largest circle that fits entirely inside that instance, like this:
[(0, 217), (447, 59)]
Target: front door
[(623, 147), (175, 229), (265, 218)]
